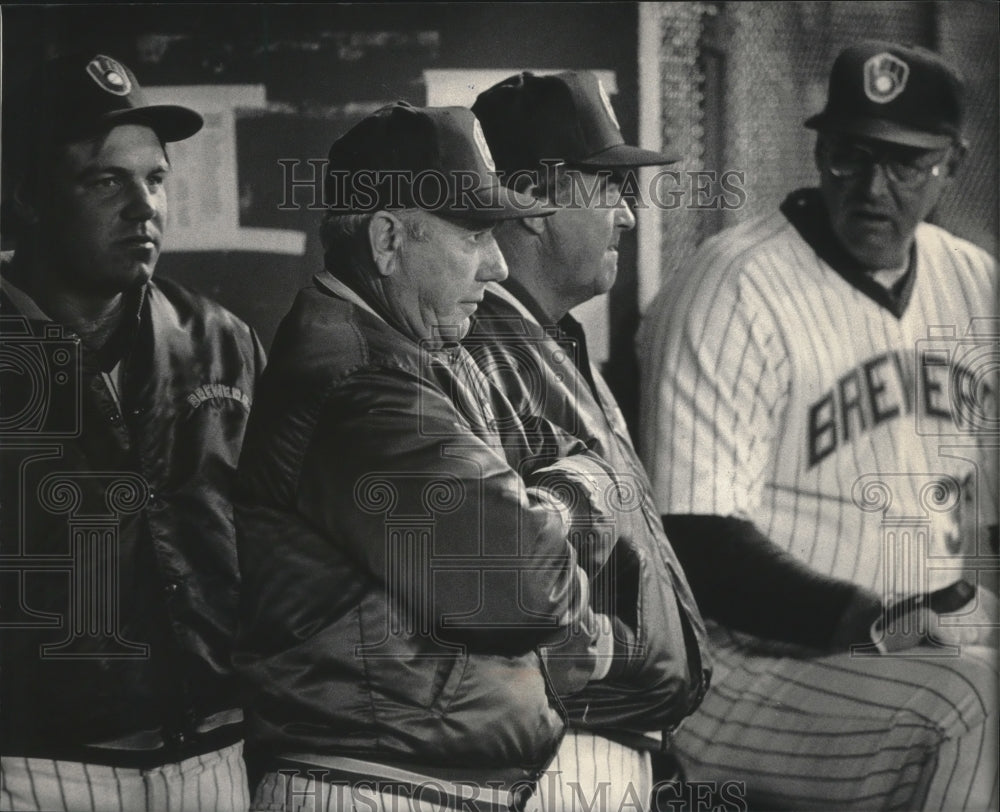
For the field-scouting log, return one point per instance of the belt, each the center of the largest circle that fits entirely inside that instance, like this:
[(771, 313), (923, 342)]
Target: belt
[(158, 738), (452, 792), (147, 749)]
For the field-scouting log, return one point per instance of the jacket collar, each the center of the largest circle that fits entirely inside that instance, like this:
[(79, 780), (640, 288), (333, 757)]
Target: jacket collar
[(328, 282), (517, 297), (505, 295), (118, 345), (331, 284)]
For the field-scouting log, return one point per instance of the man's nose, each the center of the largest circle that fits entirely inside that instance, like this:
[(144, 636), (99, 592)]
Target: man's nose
[(492, 266), (143, 203), (624, 216), (876, 179)]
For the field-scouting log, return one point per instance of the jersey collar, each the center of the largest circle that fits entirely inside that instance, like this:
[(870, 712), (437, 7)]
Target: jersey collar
[(806, 211)]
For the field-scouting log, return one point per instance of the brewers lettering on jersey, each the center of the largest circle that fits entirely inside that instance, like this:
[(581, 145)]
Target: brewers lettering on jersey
[(819, 424)]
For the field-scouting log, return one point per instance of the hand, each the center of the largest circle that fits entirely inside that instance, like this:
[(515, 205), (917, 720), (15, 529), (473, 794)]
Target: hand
[(911, 622), (866, 624), (584, 493), (975, 624), (604, 647), (572, 659)]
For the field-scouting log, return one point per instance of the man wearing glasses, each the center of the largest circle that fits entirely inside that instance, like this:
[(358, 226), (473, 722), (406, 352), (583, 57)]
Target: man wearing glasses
[(817, 411)]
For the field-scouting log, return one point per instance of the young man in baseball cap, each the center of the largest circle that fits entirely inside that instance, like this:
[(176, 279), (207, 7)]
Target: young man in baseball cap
[(124, 404), (556, 137), (812, 430), (403, 581)]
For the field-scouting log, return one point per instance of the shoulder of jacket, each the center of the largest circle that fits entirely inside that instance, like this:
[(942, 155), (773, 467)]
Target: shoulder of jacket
[(337, 341), (209, 315), (498, 317)]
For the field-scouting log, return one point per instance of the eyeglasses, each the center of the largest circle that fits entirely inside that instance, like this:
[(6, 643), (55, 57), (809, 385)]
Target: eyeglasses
[(851, 161)]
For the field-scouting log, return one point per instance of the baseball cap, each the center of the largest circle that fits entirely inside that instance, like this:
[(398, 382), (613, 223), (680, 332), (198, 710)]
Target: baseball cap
[(564, 116), (898, 93), (80, 95), (432, 158)]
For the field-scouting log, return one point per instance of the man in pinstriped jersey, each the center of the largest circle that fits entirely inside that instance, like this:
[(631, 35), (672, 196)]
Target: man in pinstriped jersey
[(818, 411)]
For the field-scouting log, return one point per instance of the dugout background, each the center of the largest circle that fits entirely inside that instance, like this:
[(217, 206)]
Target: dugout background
[(738, 79), (726, 83)]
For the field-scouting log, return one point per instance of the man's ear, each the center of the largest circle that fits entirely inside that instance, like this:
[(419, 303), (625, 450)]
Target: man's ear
[(536, 225), (958, 152), (385, 237), (533, 224)]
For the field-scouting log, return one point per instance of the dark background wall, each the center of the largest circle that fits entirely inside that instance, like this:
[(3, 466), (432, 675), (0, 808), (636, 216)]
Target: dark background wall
[(323, 66)]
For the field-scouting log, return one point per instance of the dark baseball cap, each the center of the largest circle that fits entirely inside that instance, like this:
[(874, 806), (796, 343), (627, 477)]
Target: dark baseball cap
[(564, 116), (81, 95), (432, 158), (898, 93)]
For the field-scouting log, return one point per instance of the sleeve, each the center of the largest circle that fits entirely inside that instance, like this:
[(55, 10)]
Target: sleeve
[(715, 381), (396, 475), (734, 578)]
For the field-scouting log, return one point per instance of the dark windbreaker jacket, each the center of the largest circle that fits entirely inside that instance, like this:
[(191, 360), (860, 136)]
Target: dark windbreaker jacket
[(663, 670), (398, 574), (119, 579)]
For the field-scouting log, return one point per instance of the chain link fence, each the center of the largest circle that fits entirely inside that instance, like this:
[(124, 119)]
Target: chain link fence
[(739, 79)]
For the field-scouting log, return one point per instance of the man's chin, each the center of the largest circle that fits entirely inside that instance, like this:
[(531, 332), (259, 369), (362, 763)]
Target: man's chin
[(606, 281), (128, 280), (141, 278), (875, 259)]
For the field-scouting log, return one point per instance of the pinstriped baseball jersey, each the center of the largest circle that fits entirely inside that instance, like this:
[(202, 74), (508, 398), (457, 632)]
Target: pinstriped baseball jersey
[(777, 391)]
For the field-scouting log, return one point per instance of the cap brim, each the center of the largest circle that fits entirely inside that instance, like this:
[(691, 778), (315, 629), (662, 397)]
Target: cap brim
[(169, 121), (493, 204), (879, 130), (625, 156)]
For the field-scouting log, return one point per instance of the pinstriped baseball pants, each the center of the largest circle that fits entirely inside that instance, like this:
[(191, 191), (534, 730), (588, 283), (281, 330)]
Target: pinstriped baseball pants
[(588, 774), (591, 773), (213, 782), (842, 732)]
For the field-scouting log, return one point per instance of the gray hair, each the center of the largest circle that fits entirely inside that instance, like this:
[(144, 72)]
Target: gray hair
[(345, 237)]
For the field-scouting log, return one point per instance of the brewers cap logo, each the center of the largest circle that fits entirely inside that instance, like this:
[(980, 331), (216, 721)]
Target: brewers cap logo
[(484, 150), (607, 103), (885, 77), (110, 75)]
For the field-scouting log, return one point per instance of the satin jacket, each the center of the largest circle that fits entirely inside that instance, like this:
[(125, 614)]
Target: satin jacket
[(399, 575), (662, 667), (118, 571)]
